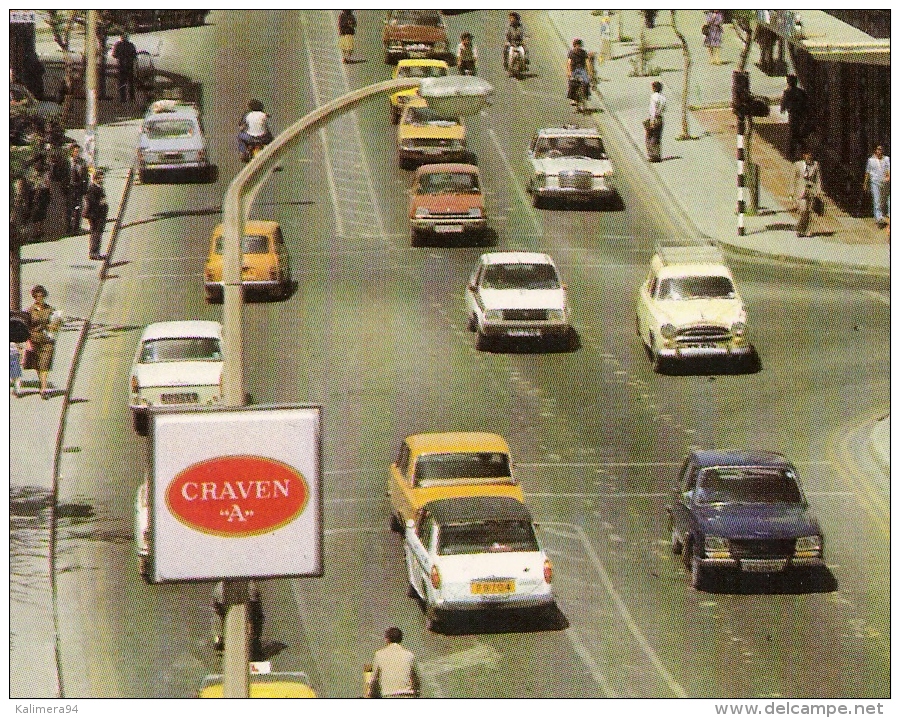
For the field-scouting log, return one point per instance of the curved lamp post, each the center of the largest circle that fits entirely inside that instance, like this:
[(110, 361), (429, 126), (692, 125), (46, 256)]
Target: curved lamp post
[(452, 95)]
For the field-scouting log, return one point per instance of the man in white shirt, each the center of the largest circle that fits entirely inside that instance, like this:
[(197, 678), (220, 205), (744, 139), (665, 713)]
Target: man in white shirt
[(654, 123), (394, 673), (254, 129), (877, 180)]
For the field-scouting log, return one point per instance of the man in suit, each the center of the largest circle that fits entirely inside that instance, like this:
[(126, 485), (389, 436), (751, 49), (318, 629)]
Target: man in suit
[(795, 102), (75, 182), (95, 211), (807, 188)]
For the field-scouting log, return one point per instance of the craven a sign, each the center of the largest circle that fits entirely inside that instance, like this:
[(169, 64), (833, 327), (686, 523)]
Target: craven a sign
[(235, 493)]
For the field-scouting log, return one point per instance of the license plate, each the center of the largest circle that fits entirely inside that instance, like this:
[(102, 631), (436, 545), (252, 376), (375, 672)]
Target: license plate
[(523, 333), (763, 566), (492, 588), (173, 156), (447, 228), (180, 398), (433, 150)]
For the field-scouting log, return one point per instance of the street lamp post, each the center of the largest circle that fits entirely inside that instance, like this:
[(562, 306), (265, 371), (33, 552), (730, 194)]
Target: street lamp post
[(452, 95)]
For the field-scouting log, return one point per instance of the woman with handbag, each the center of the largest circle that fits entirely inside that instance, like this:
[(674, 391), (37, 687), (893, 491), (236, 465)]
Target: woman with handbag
[(807, 192), (44, 322)]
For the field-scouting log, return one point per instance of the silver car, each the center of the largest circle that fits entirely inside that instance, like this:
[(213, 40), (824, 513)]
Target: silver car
[(172, 139)]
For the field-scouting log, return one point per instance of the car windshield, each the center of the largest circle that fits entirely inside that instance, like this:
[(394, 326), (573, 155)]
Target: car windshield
[(570, 146), (520, 276), (449, 183), (154, 351), (748, 485), (422, 71), (250, 244), (431, 18), (703, 287), (438, 469), (169, 129), (490, 536), (420, 116)]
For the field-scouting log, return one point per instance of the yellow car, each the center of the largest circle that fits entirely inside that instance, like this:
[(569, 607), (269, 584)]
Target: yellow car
[(448, 465), (413, 68), (265, 264), (425, 137), (263, 685)]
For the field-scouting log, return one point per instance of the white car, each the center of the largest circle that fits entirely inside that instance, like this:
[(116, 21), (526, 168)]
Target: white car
[(569, 163), (177, 363), (476, 553), (689, 308), (517, 295)]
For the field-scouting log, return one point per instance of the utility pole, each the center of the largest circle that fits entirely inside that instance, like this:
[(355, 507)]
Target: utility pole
[(90, 90)]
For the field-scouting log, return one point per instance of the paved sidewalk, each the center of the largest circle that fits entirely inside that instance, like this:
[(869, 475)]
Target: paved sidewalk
[(700, 175)]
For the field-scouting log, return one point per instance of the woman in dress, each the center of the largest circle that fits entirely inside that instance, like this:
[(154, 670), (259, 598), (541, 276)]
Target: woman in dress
[(713, 41), (44, 321)]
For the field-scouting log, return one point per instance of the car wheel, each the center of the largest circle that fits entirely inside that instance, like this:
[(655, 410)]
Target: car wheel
[(687, 553), (472, 324), (433, 618), (389, 58), (658, 362), (482, 343), (404, 164), (697, 574), (144, 568), (415, 237), (396, 524), (677, 546), (536, 201), (411, 591), (395, 115), (141, 424)]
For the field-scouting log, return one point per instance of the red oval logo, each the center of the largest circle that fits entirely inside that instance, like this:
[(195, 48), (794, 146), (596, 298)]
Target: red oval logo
[(237, 495)]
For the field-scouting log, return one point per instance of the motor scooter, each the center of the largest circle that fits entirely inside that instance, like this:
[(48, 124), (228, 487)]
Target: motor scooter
[(517, 61)]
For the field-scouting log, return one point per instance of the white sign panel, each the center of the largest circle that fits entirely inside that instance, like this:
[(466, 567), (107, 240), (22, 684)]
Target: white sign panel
[(236, 493)]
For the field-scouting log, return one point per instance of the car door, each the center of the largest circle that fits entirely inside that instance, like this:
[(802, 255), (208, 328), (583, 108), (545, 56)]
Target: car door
[(645, 299), (683, 498), (284, 259), (418, 540), (400, 483), (472, 301)]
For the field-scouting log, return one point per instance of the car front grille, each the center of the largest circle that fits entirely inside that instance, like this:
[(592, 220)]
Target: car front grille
[(577, 179), (703, 334), (449, 215), (185, 397), (525, 315), (761, 548)]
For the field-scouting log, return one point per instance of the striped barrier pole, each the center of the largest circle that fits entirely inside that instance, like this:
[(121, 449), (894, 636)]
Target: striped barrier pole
[(741, 126)]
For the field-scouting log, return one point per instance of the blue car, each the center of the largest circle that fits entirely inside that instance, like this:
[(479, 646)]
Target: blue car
[(742, 510)]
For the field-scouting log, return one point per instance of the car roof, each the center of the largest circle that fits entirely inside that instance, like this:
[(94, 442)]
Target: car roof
[(699, 260), (516, 258), (478, 508), (253, 226), (456, 441), (568, 131), (178, 329), (447, 167), (172, 110), (731, 457)]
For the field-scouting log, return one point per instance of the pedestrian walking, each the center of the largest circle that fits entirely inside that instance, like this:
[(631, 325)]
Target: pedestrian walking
[(795, 102), (15, 370), (125, 54), (712, 30), (653, 125), (75, 181), (95, 211), (44, 321), (346, 33), (807, 192), (466, 55), (877, 180), (605, 51), (394, 672), (39, 177)]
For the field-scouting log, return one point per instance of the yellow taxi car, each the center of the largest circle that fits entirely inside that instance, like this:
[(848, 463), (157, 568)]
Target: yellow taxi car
[(425, 137), (448, 465), (263, 685), (265, 264), (413, 68)]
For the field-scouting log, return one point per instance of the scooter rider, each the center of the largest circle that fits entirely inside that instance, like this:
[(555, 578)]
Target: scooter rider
[(515, 37), (254, 129)]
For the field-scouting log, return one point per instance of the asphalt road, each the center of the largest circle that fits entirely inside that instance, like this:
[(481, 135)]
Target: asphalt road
[(375, 332)]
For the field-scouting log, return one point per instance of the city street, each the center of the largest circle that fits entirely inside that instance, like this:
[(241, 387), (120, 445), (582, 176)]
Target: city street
[(375, 331)]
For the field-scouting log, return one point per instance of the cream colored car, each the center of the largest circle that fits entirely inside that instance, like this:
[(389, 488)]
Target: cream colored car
[(689, 308)]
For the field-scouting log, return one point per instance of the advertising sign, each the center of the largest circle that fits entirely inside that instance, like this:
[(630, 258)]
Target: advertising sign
[(235, 493)]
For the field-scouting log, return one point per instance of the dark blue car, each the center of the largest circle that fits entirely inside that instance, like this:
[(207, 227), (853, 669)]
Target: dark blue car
[(742, 510)]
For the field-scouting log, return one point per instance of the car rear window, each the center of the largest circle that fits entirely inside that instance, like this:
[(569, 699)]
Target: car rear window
[(155, 351), (163, 129), (747, 485), (449, 183), (703, 287), (250, 244), (422, 71), (438, 469), (520, 276), (570, 146), (490, 536)]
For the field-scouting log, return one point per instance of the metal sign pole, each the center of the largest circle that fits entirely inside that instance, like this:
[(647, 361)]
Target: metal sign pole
[(235, 661)]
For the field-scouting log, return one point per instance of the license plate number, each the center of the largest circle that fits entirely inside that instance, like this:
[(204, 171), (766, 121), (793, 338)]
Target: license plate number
[(492, 588), (180, 398), (448, 228), (173, 156), (763, 566), (524, 333)]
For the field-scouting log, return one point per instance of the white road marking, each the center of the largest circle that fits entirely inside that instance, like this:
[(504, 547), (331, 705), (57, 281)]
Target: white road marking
[(523, 195)]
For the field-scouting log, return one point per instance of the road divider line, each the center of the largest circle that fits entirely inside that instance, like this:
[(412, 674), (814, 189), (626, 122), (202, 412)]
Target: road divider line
[(523, 195)]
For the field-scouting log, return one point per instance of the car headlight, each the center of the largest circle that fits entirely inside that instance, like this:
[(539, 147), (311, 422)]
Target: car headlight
[(493, 315), (738, 329), (422, 212), (556, 315), (808, 543), (668, 331), (716, 544), (475, 212)]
